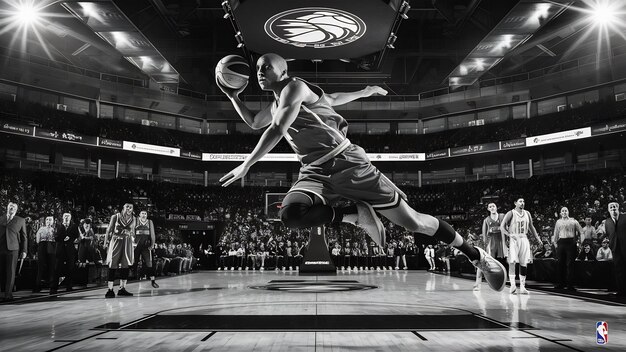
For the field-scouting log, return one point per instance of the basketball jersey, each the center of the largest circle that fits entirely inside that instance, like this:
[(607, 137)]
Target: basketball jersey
[(142, 229), (142, 232), (317, 130), (519, 223), (123, 228), (493, 226)]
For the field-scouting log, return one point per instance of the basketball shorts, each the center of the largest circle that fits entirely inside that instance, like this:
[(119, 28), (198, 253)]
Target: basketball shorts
[(519, 250), (352, 176), (494, 245), (120, 253), (145, 253)]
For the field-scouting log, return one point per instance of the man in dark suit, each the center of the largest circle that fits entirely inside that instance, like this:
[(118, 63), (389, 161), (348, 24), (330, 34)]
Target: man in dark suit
[(615, 227), (13, 244), (66, 234)]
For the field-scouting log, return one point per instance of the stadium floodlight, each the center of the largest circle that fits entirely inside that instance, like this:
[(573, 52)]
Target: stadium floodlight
[(479, 64), (542, 11), (602, 14), (507, 39), (27, 14)]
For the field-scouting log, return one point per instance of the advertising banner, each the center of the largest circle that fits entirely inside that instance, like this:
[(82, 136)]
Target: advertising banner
[(151, 149)]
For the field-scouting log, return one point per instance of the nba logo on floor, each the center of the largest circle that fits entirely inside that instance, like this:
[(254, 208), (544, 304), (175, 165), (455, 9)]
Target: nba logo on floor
[(602, 332)]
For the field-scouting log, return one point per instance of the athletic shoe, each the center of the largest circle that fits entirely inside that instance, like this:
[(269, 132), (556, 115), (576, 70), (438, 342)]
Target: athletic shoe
[(397, 268), (369, 221), (494, 272), (154, 284), (523, 290), (122, 292), (219, 268), (476, 287), (109, 294), (513, 290)]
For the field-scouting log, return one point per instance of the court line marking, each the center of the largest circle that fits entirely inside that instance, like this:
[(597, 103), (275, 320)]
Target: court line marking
[(535, 335), (76, 341), (420, 336), (209, 336)]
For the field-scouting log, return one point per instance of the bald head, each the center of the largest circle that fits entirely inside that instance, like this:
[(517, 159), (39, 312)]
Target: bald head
[(274, 60), (271, 71)]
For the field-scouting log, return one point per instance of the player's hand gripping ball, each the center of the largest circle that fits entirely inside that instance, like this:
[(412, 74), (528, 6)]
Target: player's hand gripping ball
[(232, 72)]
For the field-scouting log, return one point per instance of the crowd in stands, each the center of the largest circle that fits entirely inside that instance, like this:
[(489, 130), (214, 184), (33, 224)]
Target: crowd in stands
[(245, 238), (50, 118)]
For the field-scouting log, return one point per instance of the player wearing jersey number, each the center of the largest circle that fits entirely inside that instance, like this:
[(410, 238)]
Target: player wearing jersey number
[(332, 167), (516, 225)]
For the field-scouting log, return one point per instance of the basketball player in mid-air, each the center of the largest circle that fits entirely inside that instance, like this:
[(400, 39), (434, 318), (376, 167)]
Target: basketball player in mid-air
[(332, 167), (516, 225)]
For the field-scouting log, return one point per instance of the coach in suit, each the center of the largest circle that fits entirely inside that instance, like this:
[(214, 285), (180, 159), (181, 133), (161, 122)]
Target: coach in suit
[(13, 244), (616, 231), (66, 234)]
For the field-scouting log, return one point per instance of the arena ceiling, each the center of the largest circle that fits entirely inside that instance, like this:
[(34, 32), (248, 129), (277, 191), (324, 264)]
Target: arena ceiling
[(408, 49)]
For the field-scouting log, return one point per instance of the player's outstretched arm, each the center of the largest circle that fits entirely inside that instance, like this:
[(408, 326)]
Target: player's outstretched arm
[(335, 99), (291, 98), (255, 120)]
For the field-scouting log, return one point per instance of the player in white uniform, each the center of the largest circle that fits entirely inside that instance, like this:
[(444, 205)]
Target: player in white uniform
[(332, 167), (516, 225)]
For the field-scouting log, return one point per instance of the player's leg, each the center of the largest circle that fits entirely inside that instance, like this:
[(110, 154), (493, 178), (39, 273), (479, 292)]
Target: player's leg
[(525, 257), (146, 254), (513, 260), (405, 216)]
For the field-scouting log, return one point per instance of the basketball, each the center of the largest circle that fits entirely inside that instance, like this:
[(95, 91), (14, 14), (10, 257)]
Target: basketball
[(233, 71)]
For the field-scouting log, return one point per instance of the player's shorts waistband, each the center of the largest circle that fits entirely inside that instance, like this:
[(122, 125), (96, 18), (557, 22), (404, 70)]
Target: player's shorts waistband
[(518, 234), (333, 153)]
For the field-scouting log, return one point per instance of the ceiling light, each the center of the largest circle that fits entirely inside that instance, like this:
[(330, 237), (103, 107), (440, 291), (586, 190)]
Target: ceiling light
[(404, 10), (391, 41), (602, 14), (26, 13)]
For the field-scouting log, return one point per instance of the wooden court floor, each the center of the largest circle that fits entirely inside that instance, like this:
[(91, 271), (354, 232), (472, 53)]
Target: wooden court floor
[(276, 311)]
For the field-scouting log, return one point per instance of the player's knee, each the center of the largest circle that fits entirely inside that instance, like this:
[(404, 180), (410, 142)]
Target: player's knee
[(292, 215)]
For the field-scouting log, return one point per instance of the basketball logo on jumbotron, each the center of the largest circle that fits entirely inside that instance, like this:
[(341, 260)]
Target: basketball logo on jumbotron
[(315, 27)]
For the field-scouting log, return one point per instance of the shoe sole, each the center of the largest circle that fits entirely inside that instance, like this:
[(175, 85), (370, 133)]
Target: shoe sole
[(379, 224), (504, 271)]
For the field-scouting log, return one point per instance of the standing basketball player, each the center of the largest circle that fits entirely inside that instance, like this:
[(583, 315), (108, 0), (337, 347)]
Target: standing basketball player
[(145, 239), (119, 240), (332, 167), (493, 239), (515, 225)]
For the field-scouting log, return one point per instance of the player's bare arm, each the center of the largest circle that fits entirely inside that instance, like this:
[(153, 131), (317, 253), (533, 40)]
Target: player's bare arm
[(257, 120), (109, 233), (504, 225), (291, 98), (532, 229), (335, 99), (485, 230)]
